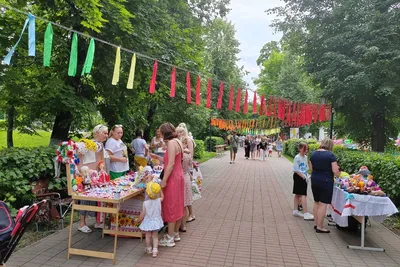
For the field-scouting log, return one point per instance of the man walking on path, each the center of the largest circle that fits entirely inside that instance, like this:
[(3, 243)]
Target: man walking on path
[(234, 142)]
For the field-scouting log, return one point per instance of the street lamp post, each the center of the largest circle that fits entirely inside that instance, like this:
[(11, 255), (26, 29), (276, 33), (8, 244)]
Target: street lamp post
[(332, 119)]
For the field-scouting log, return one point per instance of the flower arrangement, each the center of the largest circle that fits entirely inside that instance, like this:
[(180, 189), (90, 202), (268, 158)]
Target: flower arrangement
[(66, 152), (89, 144)]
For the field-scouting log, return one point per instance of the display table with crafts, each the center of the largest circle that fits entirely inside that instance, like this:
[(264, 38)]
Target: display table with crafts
[(364, 199), (91, 189), (111, 204)]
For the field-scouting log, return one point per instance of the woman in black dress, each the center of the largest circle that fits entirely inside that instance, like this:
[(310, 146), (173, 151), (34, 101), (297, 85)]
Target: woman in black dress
[(247, 147), (324, 166)]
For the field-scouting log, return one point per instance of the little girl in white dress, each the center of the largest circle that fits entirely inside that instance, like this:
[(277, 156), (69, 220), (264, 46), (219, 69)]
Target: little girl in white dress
[(151, 217)]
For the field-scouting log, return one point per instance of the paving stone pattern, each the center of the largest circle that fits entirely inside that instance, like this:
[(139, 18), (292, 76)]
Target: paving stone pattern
[(243, 219)]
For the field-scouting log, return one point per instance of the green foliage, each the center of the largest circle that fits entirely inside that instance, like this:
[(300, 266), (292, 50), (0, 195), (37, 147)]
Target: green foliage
[(19, 167), (291, 146), (206, 156), (215, 140), (41, 138), (385, 169), (199, 149), (3, 124), (349, 50)]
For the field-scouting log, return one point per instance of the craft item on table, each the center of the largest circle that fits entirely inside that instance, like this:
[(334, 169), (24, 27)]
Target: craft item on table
[(364, 171), (79, 183), (344, 175), (86, 177), (104, 177), (66, 152), (371, 183)]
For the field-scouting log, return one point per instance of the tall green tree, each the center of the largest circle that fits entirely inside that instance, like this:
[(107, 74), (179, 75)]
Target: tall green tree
[(350, 48)]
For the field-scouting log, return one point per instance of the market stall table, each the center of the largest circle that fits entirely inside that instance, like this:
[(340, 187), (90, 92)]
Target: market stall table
[(360, 206), (116, 205)]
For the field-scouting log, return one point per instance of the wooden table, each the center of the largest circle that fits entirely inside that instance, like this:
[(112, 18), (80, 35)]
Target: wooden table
[(111, 210)]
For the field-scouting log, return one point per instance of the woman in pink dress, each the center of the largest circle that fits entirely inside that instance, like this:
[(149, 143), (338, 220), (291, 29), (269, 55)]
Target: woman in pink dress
[(172, 185)]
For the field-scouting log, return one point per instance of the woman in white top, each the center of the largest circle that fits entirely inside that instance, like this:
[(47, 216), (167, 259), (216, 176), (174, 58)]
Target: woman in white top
[(100, 134), (118, 153), (157, 144)]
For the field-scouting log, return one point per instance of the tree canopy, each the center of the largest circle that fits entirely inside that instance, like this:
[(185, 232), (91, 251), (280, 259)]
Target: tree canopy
[(191, 35), (351, 50)]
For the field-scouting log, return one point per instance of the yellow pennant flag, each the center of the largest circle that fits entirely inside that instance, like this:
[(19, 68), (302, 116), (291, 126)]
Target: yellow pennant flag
[(132, 73), (117, 65)]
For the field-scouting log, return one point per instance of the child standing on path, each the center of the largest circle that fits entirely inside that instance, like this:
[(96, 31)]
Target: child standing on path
[(300, 180), (151, 217), (270, 149)]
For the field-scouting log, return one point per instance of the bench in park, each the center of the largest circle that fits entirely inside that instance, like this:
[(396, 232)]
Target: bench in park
[(220, 149)]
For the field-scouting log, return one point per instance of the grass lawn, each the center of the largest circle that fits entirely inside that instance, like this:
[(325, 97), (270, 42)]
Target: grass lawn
[(206, 156), (26, 140)]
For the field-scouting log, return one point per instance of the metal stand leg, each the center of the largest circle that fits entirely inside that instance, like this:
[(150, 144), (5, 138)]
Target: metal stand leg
[(362, 247)]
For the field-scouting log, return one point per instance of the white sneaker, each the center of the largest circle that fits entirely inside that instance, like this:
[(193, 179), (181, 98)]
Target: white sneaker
[(298, 214), (308, 217), (167, 241), (177, 238)]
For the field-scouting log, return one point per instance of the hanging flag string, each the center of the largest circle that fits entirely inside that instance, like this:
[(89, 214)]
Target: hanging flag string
[(31, 39)]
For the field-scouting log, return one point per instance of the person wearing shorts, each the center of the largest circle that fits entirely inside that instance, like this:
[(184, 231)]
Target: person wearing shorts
[(234, 143), (324, 166)]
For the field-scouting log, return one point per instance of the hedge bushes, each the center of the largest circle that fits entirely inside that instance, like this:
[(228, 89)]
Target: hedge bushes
[(291, 146), (199, 149), (384, 167), (215, 140), (19, 167)]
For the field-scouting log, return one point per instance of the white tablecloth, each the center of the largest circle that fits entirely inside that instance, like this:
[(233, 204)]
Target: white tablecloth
[(359, 205)]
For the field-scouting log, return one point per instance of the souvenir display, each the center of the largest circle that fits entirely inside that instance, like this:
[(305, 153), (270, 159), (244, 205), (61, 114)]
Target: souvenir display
[(360, 183)]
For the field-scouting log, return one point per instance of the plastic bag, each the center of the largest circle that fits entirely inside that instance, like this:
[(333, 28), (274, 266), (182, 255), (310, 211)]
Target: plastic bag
[(196, 191)]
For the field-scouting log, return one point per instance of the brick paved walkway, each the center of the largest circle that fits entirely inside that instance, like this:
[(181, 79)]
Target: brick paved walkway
[(243, 219)]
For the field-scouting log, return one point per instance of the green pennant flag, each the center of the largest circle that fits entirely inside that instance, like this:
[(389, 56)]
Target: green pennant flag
[(87, 67), (73, 58), (48, 43)]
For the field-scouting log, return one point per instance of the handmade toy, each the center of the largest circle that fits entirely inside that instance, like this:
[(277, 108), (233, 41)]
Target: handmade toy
[(364, 171), (104, 177), (86, 177), (371, 183), (79, 184)]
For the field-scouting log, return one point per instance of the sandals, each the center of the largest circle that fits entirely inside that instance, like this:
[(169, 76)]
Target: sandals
[(147, 250), (322, 231), (85, 229), (191, 218), (183, 230), (155, 252)]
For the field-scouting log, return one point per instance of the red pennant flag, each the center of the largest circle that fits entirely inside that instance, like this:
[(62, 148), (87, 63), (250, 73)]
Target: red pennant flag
[(246, 104), (269, 108), (322, 113), (153, 78), (208, 105), (289, 113), (198, 90), (262, 105), (188, 89), (230, 104), (238, 98), (294, 113), (274, 107), (255, 103), (221, 93), (279, 108), (173, 82)]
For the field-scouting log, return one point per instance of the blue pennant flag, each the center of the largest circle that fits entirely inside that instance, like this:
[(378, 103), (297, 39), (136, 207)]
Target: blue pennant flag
[(31, 39)]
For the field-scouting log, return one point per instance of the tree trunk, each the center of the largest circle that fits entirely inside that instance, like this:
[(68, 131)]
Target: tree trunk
[(10, 125), (61, 127), (150, 116), (378, 140)]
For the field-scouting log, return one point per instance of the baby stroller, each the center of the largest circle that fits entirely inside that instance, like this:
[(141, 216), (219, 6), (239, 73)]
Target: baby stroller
[(11, 231)]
